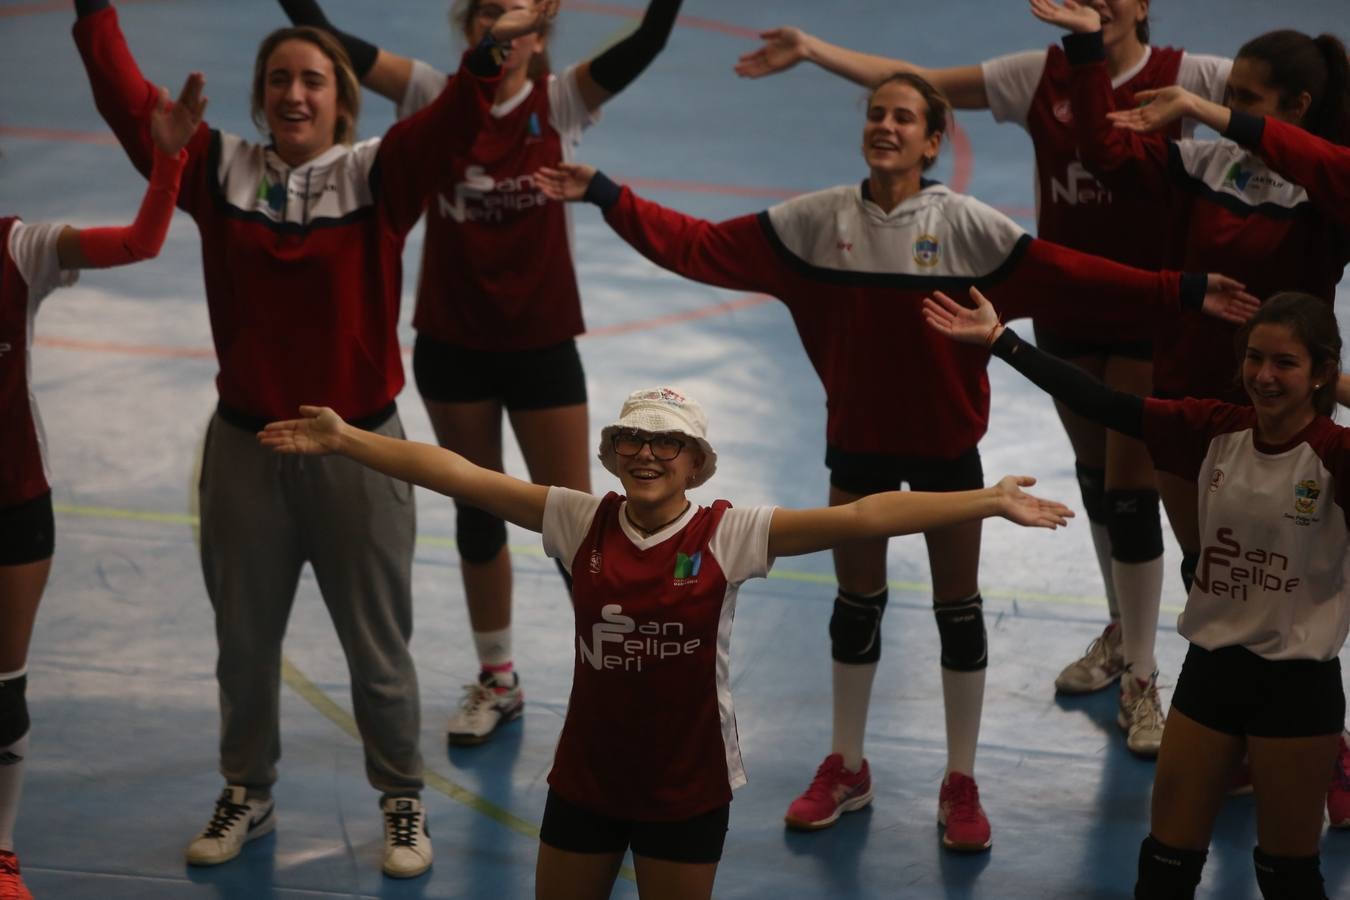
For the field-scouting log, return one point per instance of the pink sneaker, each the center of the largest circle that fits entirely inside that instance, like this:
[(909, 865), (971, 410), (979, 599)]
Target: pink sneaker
[(11, 884), (834, 791), (959, 810), (1338, 797)]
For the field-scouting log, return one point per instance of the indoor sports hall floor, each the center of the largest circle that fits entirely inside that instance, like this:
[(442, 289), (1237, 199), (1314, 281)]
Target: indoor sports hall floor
[(123, 765)]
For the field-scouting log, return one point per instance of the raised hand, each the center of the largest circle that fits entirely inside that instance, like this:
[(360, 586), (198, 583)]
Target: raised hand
[(1225, 299), (1160, 108), (783, 48), (1070, 15), (519, 22), (1034, 512), (566, 181), (962, 323), (173, 123), (319, 431)]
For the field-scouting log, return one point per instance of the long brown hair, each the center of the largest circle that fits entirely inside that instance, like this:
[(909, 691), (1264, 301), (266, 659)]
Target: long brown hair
[(1295, 63), (1313, 324), (939, 107), (348, 85), (462, 14)]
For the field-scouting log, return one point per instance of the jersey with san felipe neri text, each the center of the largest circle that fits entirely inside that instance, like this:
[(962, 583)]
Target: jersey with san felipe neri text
[(854, 276), (497, 270), (1225, 211), (1273, 528), (650, 733), (29, 271), (1033, 89)]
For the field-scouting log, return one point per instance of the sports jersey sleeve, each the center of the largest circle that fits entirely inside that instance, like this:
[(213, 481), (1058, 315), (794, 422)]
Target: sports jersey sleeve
[(125, 99), (1010, 83), (33, 249), (741, 544), (1177, 432), (567, 519), (410, 162), (735, 254), (1204, 75), (1318, 166), (1120, 158), (425, 84), (1072, 386), (567, 108)]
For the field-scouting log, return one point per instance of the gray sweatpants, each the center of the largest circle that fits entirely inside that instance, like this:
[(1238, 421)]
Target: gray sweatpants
[(263, 515)]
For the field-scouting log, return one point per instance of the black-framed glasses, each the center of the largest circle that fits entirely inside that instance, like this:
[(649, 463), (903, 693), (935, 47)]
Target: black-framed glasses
[(665, 447)]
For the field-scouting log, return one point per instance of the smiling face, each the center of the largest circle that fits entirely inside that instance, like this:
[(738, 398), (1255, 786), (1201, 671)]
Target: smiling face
[(650, 481), (300, 101), (1120, 19), (1250, 91), (1277, 373), (896, 139)]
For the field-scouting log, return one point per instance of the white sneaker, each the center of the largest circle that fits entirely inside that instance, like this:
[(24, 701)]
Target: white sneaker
[(485, 706), (1100, 665), (407, 842), (236, 821), (1141, 715)]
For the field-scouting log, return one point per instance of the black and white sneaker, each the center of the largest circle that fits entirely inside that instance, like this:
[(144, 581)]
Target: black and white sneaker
[(407, 842), (236, 821)]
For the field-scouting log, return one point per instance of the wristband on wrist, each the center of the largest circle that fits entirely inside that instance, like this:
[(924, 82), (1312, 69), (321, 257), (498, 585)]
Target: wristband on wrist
[(993, 333)]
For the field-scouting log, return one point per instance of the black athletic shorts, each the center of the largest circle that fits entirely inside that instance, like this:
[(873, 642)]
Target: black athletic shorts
[(1237, 692), (27, 531), (521, 379), (578, 830), (1074, 348), (872, 473)]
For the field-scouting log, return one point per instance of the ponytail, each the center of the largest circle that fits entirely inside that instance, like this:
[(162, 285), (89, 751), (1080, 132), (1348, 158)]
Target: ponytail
[(1299, 64)]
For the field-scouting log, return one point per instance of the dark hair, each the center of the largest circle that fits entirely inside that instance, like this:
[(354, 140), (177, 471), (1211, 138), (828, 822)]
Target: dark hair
[(348, 85), (1141, 30), (939, 107), (461, 16), (1313, 324), (1298, 63)]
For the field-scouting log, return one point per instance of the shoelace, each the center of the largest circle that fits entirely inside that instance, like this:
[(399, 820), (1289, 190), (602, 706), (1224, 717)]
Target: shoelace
[(828, 776), (1145, 711), (964, 800), (11, 887), (226, 815), (476, 696), (402, 827)]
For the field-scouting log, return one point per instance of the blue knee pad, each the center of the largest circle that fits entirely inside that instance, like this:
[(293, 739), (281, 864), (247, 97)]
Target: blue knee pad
[(13, 710), (965, 647), (1189, 562), (1289, 878), (1135, 526), (479, 535), (1092, 485), (855, 628), (1167, 873)]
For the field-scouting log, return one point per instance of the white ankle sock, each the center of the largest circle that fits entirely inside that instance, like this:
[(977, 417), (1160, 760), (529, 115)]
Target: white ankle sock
[(1139, 587), (1101, 542), (12, 760), (852, 695), (494, 648)]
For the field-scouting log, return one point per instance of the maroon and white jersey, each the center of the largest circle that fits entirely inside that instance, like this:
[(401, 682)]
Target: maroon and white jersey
[(1033, 89), (854, 277), (303, 266), (1226, 211), (650, 733), (1273, 528), (29, 271), (497, 271)]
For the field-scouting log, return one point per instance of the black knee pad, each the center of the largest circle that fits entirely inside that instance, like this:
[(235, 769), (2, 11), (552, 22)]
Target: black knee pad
[(1289, 878), (566, 576), (1167, 873), (479, 535), (961, 634), (1189, 561), (1134, 524), (13, 710), (1092, 485), (855, 628)]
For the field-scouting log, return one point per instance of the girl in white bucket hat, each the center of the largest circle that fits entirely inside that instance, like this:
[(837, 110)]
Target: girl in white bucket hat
[(655, 578)]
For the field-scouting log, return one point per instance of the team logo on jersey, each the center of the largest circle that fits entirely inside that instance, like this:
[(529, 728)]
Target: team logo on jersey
[(595, 562), (927, 251), (1079, 188), (274, 195), (1227, 569), (535, 130), (620, 643), (1237, 177), (1216, 479), (1063, 111), (686, 567), (1305, 497), (481, 198)]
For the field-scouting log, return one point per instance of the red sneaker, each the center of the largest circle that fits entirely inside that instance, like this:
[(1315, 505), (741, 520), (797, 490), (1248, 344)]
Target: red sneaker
[(959, 810), (834, 791), (11, 884), (1338, 797)]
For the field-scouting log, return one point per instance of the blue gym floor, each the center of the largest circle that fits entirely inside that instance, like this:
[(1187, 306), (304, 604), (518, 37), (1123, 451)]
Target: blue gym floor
[(123, 763)]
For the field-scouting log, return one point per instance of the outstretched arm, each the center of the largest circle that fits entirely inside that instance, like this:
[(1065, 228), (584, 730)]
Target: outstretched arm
[(1317, 165), (783, 48), (614, 69), (796, 531), (383, 72), (320, 431), (1064, 381)]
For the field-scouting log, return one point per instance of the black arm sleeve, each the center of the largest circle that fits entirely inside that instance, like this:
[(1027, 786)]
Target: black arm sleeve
[(615, 68), (1072, 386), (307, 12)]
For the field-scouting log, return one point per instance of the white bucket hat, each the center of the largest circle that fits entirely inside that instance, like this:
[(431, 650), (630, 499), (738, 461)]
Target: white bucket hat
[(657, 410)]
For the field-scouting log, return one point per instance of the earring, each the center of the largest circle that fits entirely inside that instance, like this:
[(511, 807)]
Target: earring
[(1317, 387)]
